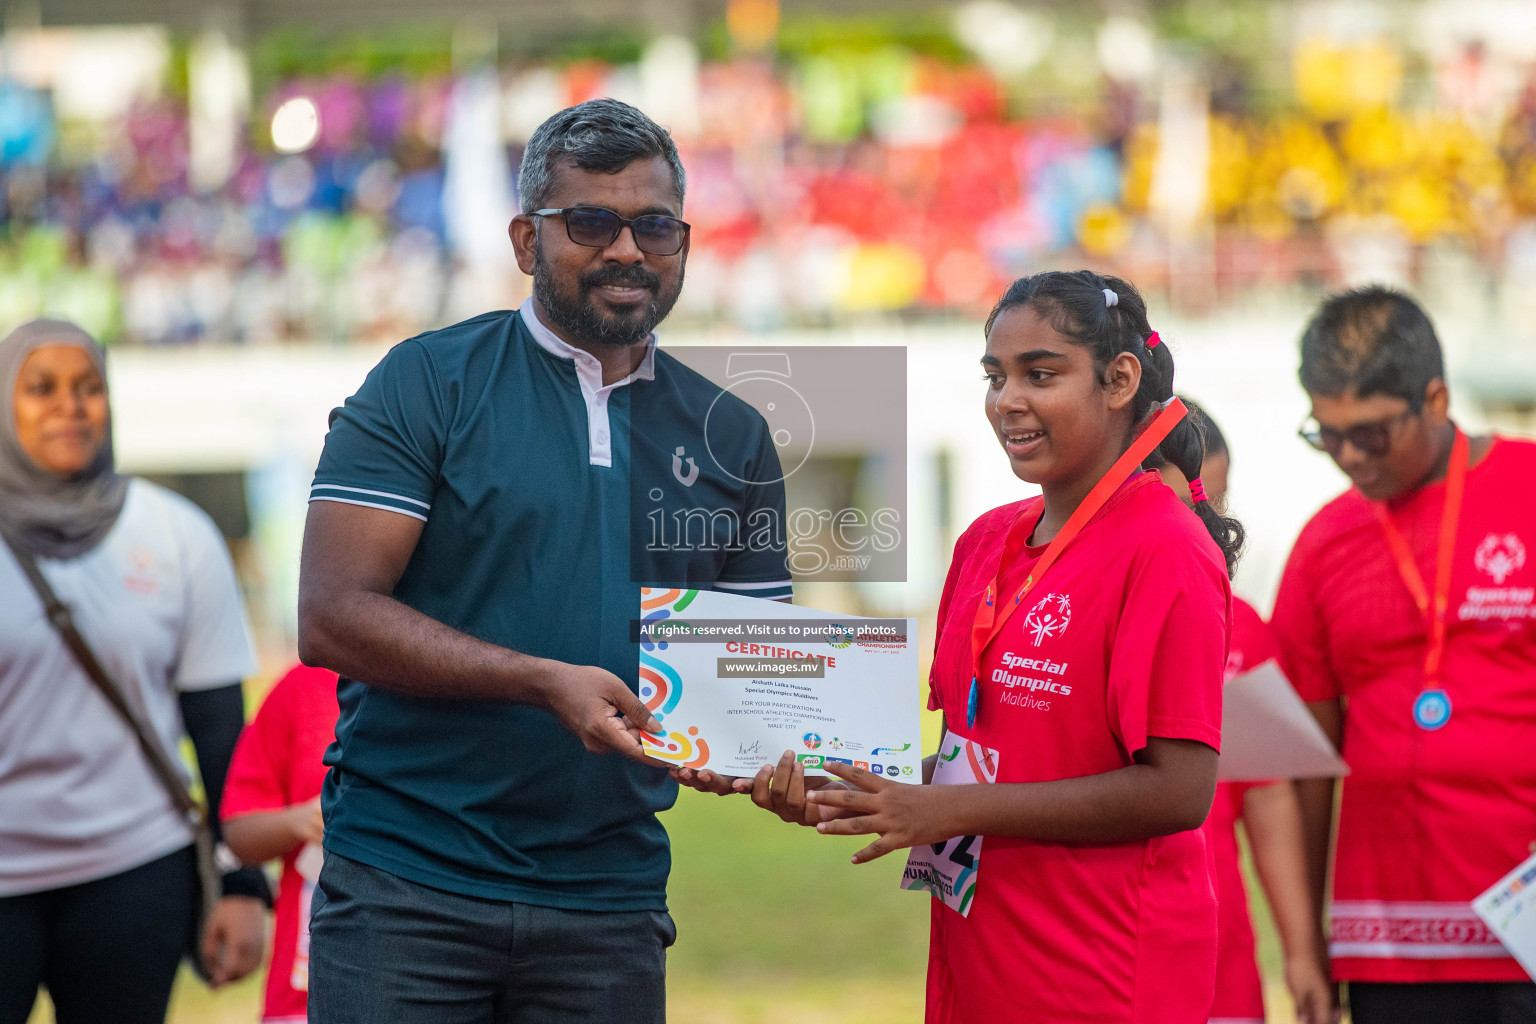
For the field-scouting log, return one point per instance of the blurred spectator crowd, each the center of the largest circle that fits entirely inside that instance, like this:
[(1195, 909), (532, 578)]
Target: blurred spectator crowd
[(867, 182)]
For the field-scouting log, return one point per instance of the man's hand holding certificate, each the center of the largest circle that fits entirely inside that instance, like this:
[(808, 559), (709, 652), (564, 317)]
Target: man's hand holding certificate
[(735, 681)]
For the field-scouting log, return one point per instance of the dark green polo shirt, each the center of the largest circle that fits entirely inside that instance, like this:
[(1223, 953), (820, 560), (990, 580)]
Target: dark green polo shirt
[(538, 488)]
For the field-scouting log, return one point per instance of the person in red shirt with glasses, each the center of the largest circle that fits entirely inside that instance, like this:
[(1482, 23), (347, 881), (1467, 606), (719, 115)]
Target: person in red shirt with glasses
[(1405, 618)]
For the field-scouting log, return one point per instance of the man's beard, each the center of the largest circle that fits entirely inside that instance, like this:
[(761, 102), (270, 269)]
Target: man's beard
[(577, 318)]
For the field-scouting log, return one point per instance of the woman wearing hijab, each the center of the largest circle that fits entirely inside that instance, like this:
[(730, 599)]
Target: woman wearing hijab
[(98, 878)]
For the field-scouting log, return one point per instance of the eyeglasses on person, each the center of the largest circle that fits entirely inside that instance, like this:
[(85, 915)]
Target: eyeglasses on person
[(1370, 439), (596, 227)]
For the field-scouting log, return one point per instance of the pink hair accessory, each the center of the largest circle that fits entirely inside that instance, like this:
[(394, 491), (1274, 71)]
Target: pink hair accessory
[(1197, 490), (1153, 340)]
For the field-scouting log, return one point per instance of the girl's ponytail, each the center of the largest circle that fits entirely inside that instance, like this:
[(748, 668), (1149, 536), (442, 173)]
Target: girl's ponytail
[(1184, 448)]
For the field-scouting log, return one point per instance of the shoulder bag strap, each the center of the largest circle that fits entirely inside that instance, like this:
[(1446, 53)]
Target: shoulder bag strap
[(64, 622)]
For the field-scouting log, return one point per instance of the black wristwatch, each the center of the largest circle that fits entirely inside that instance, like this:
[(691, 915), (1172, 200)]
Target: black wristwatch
[(247, 882)]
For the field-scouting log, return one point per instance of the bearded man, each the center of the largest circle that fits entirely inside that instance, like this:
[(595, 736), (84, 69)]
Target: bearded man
[(473, 562)]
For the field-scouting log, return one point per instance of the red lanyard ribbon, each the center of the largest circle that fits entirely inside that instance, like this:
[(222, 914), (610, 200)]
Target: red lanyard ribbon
[(989, 620), (1433, 610)]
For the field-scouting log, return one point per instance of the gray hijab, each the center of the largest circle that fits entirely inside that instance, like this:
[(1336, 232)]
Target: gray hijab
[(53, 517)]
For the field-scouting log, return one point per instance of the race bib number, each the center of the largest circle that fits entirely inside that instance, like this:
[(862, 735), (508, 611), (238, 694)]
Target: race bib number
[(949, 869)]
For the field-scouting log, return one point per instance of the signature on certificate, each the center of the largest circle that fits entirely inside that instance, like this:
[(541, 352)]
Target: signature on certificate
[(748, 749)]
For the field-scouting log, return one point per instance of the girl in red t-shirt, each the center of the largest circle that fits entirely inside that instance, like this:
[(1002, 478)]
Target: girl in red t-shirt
[(271, 809), (1271, 816), (1073, 880)]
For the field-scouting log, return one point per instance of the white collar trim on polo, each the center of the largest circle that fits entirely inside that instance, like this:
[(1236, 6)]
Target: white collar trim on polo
[(589, 372)]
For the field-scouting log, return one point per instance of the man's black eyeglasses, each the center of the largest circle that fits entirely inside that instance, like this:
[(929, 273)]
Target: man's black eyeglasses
[(1370, 439), (597, 227)]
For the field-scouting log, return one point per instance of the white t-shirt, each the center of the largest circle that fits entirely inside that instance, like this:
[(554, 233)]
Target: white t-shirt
[(158, 603)]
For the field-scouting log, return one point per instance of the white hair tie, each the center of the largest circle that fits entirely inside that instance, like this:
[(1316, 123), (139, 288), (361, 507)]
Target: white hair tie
[(1110, 298)]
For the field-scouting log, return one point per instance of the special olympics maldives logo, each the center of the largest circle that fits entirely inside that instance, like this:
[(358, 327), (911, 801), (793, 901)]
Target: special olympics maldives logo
[(1500, 556), (1050, 617)]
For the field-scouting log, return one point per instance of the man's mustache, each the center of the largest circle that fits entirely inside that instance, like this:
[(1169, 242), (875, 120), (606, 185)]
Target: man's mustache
[(623, 277)]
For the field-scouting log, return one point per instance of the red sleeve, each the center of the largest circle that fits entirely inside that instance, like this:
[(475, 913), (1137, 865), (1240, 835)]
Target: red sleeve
[(1297, 626), (1169, 650), (1252, 642), (257, 779), (962, 551)]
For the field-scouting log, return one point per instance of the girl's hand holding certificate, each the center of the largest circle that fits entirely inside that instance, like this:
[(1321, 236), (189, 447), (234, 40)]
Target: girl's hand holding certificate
[(903, 815)]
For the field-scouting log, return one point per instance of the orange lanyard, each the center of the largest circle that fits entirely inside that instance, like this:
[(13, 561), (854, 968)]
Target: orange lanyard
[(989, 621), (1434, 611)]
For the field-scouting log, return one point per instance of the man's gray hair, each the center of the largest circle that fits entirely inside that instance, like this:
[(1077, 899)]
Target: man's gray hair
[(598, 135)]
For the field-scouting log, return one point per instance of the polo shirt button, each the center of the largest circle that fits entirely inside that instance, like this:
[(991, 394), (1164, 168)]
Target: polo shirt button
[(602, 437)]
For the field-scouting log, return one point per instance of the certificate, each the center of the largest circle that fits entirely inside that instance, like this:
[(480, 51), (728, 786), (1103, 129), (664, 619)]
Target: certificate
[(1509, 910), (1268, 733), (736, 681)]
